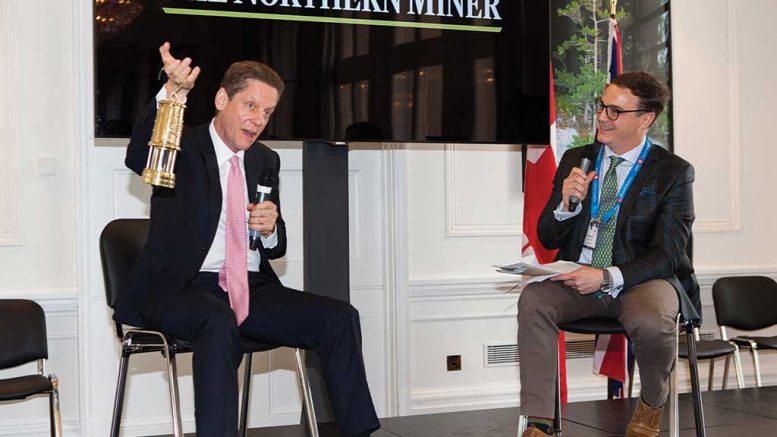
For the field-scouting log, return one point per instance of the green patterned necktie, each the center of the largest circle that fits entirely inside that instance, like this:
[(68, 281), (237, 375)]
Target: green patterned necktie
[(602, 256)]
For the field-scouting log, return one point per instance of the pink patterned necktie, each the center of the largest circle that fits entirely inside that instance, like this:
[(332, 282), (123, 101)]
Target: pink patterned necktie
[(233, 276)]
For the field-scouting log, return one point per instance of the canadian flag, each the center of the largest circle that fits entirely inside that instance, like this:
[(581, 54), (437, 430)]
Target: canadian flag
[(538, 180)]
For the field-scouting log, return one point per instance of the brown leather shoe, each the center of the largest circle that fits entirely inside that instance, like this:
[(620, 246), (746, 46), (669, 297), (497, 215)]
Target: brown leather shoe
[(533, 432), (646, 421)]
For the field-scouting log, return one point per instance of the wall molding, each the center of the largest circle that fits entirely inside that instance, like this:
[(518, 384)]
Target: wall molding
[(479, 289), (707, 275), (453, 225), (10, 228), (734, 222), (47, 298), (38, 426), (163, 425), (458, 288), (586, 387), (396, 270), (488, 287)]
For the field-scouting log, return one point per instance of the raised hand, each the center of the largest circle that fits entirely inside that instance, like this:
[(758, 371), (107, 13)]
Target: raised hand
[(576, 184), (180, 74)]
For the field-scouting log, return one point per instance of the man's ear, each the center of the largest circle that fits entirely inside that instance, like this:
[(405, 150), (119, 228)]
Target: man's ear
[(221, 99), (648, 120)]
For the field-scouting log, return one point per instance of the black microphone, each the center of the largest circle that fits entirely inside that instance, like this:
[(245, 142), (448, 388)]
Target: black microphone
[(263, 190), (585, 165)]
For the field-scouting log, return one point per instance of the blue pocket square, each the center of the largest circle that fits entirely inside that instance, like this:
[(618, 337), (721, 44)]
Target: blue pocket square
[(646, 192)]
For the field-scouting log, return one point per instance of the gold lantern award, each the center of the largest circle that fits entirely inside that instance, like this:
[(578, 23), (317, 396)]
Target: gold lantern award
[(165, 144)]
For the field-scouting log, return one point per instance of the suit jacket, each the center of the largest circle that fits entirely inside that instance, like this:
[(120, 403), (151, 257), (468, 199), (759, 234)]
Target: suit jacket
[(653, 228), (184, 219)]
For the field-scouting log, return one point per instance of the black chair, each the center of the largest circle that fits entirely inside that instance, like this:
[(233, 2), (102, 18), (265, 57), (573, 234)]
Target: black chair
[(23, 340), (120, 243), (747, 303), (712, 350), (608, 325)]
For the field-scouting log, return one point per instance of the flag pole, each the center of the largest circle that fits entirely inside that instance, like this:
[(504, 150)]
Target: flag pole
[(613, 8)]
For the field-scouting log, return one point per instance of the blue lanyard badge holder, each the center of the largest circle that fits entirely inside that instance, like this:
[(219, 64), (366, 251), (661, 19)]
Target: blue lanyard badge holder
[(596, 219)]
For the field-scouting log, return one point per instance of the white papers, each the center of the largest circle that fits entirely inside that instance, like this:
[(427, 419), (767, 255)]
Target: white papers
[(537, 273)]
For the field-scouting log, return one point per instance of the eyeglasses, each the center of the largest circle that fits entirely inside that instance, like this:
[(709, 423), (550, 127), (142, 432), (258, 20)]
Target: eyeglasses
[(613, 112)]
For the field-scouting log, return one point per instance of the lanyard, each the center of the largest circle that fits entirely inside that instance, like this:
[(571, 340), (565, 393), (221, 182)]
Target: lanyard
[(624, 188)]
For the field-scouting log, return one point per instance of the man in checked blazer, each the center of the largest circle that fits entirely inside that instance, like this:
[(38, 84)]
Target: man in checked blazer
[(631, 239), (175, 285)]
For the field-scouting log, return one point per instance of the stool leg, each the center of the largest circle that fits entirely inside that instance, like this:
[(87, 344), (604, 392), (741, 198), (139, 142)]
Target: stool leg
[(246, 393), (632, 366), (172, 375), (54, 415), (522, 423), (674, 408), (557, 416), (118, 402), (725, 371), (698, 408), (307, 395), (738, 368), (711, 375), (757, 364)]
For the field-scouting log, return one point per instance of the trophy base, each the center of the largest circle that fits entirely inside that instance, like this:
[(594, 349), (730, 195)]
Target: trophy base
[(159, 178)]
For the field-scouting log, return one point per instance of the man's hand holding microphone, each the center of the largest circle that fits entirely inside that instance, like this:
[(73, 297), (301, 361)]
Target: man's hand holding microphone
[(585, 280)]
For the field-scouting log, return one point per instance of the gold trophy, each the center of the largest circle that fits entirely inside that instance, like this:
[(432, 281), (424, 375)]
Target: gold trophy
[(165, 143)]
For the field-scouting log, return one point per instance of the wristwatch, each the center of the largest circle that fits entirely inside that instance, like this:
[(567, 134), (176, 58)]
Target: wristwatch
[(606, 286)]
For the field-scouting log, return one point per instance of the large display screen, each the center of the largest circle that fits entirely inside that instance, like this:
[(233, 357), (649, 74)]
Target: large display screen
[(463, 71)]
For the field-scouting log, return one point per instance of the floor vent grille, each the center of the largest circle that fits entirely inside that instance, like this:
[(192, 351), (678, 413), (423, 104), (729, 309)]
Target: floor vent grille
[(506, 353)]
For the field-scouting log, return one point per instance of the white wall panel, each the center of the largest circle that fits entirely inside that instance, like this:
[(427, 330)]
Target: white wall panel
[(9, 184), (463, 209), (723, 115), (700, 104), (37, 212), (476, 176)]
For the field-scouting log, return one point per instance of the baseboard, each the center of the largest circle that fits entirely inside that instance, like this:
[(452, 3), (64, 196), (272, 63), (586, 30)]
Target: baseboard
[(38, 427), (162, 425), (581, 388)]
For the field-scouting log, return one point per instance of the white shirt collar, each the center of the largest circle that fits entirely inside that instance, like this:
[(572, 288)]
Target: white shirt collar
[(630, 156), (223, 153)]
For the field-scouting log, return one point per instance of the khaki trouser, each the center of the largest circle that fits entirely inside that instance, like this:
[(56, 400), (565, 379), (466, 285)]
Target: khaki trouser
[(647, 311)]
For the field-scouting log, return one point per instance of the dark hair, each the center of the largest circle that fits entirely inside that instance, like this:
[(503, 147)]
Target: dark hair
[(234, 79), (652, 92)]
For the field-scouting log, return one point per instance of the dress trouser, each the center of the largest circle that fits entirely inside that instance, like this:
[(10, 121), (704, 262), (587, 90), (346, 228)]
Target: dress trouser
[(278, 315), (648, 312)]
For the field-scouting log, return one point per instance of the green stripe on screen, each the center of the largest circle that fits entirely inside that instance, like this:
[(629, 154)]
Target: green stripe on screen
[(365, 22)]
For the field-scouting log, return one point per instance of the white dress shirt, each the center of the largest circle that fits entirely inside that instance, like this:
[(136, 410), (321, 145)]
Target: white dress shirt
[(215, 258)]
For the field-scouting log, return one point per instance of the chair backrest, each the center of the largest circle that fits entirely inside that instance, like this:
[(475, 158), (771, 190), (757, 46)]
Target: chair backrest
[(120, 244), (745, 302), (22, 332)]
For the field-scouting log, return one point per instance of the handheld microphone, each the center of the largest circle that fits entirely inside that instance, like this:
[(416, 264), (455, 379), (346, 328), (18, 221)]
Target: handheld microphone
[(263, 190), (585, 165)]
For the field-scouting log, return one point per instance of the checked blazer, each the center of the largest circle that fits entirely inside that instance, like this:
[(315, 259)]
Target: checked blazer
[(653, 227)]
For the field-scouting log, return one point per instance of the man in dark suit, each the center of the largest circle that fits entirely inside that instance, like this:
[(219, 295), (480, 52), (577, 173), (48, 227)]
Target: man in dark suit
[(197, 279), (630, 233)]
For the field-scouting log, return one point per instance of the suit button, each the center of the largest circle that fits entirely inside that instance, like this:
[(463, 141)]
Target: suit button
[(204, 248)]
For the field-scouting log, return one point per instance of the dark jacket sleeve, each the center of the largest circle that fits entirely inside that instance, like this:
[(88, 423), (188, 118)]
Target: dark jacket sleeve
[(137, 150), (553, 233), (280, 249), (671, 232)]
